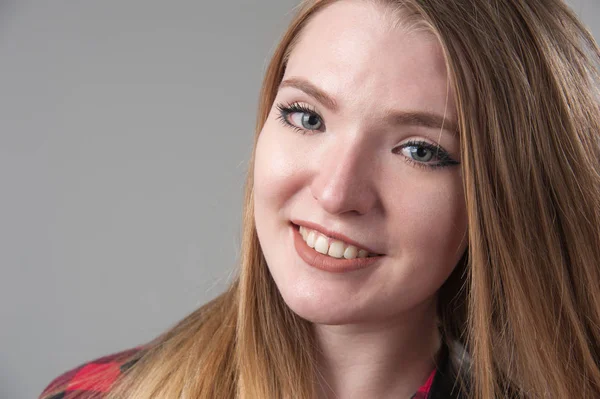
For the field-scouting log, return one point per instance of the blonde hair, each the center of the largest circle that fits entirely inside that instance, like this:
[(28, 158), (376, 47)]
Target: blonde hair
[(524, 300)]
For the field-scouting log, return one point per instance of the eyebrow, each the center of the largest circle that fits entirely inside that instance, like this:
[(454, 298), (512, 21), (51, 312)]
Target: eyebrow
[(407, 118)]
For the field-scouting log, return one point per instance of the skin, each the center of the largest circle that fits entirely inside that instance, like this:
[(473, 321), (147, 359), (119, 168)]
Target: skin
[(376, 327)]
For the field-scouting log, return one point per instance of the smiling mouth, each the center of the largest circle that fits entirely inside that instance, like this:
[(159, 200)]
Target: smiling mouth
[(332, 247), (328, 263)]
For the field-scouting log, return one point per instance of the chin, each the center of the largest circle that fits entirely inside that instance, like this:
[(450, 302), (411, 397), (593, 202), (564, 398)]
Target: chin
[(328, 311), (318, 315)]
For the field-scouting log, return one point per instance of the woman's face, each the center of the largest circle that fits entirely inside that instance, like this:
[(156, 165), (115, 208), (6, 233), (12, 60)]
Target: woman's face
[(353, 150)]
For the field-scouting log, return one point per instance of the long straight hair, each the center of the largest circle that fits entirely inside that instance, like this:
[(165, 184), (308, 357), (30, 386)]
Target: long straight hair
[(525, 298)]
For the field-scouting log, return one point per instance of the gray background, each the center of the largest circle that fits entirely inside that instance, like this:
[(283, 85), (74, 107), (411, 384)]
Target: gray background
[(125, 131)]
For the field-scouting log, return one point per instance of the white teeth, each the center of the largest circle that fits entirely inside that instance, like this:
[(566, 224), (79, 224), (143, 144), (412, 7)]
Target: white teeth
[(335, 249), (311, 238), (351, 252), (321, 245)]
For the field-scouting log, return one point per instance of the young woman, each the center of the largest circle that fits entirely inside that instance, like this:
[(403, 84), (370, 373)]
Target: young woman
[(422, 217)]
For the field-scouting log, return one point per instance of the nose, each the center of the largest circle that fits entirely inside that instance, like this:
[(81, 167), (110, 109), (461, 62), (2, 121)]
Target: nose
[(344, 180)]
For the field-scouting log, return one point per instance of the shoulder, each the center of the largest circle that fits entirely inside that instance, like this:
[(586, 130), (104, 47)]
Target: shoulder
[(91, 380)]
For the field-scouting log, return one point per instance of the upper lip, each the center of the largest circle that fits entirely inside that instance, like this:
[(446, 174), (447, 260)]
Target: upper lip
[(333, 234)]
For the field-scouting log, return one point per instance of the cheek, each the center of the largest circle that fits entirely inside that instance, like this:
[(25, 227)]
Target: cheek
[(277, 169), (280, 175), (429, 224), (431, 218)]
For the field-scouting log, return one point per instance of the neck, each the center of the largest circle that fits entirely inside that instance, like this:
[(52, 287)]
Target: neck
[(388, 359)]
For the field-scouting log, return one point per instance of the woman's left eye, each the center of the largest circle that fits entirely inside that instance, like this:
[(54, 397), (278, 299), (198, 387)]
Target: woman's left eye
[(421, 153), (300, 117)]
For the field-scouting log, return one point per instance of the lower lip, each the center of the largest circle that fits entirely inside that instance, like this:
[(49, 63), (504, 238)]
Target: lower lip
[(328, 263)]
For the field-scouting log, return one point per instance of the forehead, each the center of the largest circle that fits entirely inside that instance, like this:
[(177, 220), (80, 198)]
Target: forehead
[(353, 50)]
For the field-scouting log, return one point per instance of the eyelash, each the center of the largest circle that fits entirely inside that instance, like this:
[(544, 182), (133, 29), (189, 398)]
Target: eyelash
[(444, 157)]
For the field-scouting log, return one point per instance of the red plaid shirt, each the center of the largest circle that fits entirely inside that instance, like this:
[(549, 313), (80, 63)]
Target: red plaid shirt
[(93, 380)]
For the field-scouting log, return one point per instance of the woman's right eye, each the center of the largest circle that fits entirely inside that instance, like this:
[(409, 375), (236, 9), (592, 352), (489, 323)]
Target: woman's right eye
[(300, 117)]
